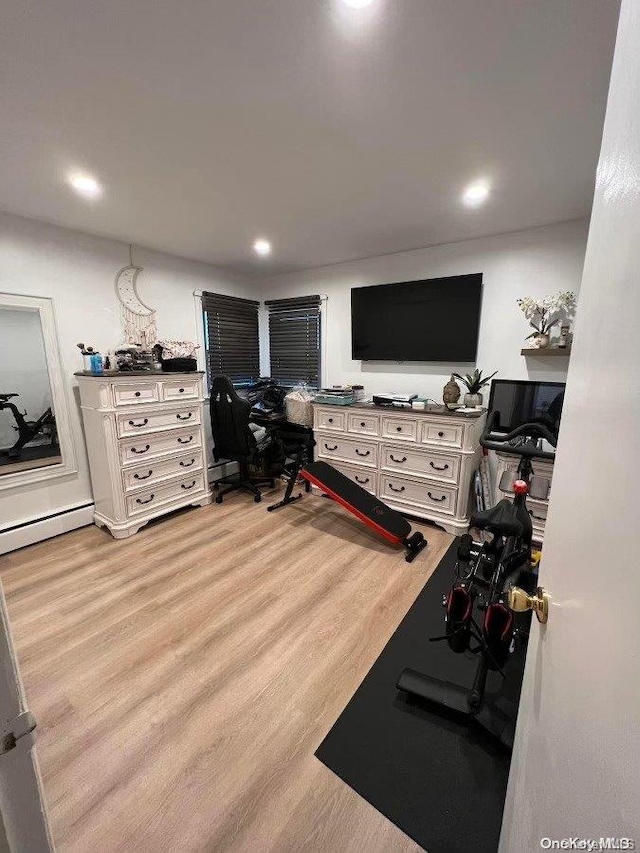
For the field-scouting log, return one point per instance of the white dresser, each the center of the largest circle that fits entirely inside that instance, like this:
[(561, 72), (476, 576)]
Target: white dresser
[(146, 446), (417, 462), (538, 507)]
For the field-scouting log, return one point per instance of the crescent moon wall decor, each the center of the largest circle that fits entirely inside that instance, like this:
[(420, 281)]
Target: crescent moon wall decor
[(138, 318)]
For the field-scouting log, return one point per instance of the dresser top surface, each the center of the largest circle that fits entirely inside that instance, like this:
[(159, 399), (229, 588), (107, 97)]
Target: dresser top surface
[(125, 374), (429, 410)]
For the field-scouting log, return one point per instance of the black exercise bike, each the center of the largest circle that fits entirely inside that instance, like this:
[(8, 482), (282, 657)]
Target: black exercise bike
[(28, 430), (492, 558)]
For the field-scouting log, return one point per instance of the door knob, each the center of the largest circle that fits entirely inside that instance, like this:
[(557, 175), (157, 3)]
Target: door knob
[(519, 601)]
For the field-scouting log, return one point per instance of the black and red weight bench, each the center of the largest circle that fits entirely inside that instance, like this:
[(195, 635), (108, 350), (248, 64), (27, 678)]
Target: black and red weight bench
[(373, 512)]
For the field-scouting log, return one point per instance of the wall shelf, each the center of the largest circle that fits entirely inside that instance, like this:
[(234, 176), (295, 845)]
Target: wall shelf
[(546, 352)]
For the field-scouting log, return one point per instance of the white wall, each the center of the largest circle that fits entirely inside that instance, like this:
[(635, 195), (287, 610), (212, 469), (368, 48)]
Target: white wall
[(23, 368), (78, 272), (535, 262), (575, 770)]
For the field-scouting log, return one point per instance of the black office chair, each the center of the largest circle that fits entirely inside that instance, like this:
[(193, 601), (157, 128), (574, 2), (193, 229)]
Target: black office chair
[(234, 440)]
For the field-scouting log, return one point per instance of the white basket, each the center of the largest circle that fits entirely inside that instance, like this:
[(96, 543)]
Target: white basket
[(299, 411)]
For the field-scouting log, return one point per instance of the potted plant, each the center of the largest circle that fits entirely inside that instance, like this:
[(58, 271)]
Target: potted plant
[(474, 383), (544, 314)]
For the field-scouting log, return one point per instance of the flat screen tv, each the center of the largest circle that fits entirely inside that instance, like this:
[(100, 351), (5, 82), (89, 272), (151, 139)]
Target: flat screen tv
[(520, 402), (436, 319)]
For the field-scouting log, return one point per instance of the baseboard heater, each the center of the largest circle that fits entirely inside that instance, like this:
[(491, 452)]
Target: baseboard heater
[(45, 527)]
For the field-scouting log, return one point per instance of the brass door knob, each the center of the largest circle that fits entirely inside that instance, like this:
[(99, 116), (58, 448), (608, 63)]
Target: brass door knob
[(519, 601)]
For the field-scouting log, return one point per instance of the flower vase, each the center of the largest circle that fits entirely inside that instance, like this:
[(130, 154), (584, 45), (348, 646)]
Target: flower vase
[(541, 341)]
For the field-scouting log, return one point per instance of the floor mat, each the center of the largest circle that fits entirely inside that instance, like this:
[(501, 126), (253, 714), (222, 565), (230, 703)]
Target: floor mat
[(442, 782)]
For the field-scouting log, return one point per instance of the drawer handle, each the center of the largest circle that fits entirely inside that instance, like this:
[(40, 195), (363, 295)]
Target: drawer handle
[(137, 394), (182, 485), (181, 390), (330, 420), (185, 440), (360, 453), (440, 434), (436, 468), (142, 476), (148, 501), (362, 482), (145, 421), (393, 458), (326, 447), (363, 424), (146, 447), (184, 464), (393, 488), (443, 498), (184, 417)]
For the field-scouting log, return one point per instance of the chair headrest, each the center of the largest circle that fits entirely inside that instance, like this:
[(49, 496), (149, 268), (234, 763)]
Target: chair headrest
[(222, 389)]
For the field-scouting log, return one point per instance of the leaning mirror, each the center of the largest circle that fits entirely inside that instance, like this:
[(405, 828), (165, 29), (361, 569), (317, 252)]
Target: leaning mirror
[(35, 435)]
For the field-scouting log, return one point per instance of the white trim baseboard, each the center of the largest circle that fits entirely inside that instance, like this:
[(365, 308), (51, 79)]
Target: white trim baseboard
[(38, 529)]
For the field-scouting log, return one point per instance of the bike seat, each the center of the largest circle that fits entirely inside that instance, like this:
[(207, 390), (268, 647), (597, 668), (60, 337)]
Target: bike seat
[(501, 518), (5, 397)]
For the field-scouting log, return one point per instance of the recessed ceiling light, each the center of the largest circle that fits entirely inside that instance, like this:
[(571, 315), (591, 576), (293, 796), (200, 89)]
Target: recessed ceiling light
[(85, 185), (476, 193), (357, 4), (262, 248)]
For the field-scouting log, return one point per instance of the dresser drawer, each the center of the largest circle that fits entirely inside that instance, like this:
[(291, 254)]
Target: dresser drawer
[(174, 490), (347, 449), (141, 476), (429, 495), (131, 394), (404, 429), (446, 435), (330, 420), (149, 422), (366, 478), (185, 389), (134, 451), (363, 424), (420, 463)]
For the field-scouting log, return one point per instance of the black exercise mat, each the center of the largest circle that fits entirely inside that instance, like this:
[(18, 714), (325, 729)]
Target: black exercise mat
[(441, 781)]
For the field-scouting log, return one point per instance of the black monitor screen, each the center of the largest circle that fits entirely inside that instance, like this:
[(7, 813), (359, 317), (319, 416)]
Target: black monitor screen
[(521, 402), (432, 320)]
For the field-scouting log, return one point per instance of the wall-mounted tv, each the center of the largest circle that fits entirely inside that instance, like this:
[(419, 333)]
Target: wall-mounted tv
[(436, 319)]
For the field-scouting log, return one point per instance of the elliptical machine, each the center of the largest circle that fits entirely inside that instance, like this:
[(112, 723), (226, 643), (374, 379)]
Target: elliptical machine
[(490, 562)]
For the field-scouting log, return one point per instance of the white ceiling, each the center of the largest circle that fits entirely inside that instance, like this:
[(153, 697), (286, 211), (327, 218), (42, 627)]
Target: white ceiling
[(335, 133)]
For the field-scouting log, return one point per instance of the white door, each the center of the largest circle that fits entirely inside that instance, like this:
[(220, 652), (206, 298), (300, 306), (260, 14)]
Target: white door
[(575, 772), (23, 819)]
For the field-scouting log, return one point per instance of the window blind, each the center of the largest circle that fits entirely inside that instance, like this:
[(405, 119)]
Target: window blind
[(294, 340), (231, 337)]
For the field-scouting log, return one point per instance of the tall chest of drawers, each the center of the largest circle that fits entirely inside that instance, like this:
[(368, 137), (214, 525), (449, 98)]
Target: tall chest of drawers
[(417, 462), (146, 446)]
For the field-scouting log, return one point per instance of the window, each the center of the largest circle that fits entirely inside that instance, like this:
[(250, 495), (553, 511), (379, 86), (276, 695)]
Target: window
[(231, 337), (294, 340)]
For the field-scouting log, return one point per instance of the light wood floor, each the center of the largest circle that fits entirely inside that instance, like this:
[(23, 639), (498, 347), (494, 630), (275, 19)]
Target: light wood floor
[(183, 678)]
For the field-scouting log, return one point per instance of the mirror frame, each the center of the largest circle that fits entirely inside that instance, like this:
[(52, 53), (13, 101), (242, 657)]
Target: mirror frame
[(69, 464)]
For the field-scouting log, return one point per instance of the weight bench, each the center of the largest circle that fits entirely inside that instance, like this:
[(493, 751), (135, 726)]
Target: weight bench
[(373, 512)]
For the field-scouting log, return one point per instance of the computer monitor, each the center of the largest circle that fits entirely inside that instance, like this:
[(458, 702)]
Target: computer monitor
[(521, 401)]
